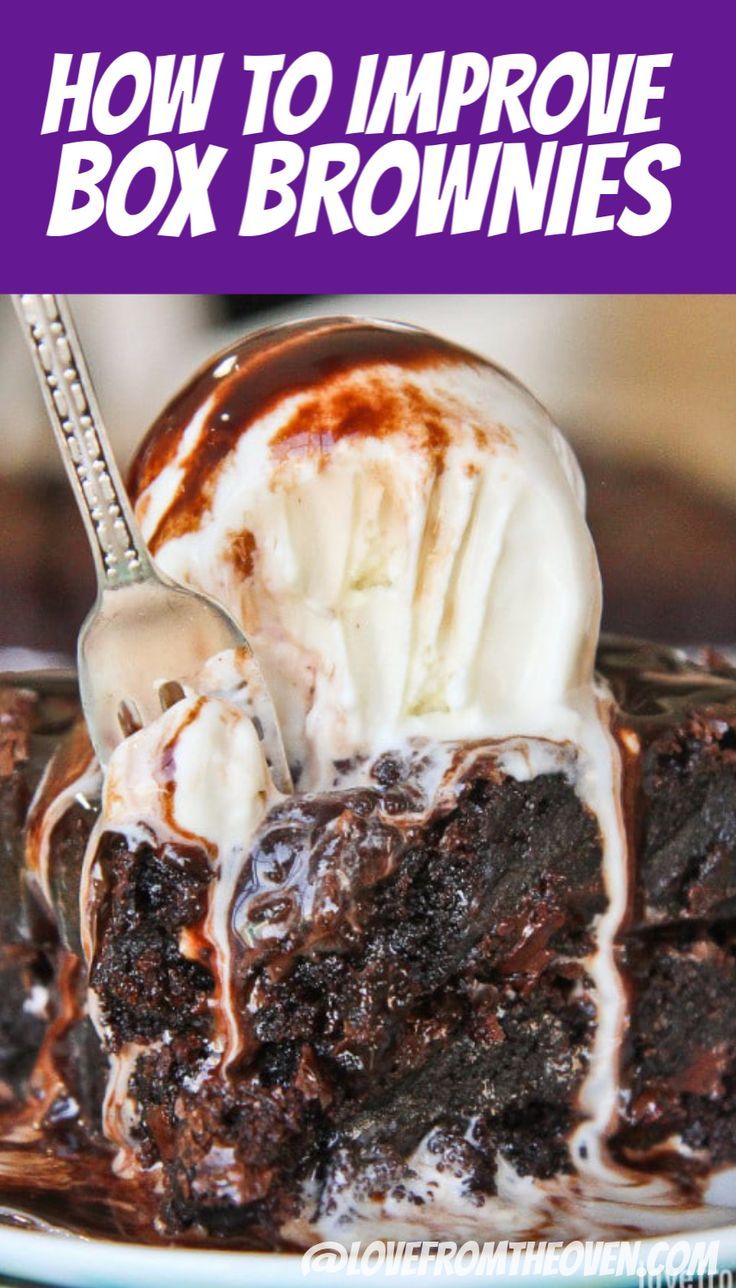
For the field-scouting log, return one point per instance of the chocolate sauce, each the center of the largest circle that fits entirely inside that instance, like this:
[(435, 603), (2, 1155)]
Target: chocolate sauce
[(655, 685), (250, 380), (673, 710), (71, 1186)]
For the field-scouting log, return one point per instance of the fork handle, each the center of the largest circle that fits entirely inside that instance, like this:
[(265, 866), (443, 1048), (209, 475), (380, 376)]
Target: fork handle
[(118, 547)]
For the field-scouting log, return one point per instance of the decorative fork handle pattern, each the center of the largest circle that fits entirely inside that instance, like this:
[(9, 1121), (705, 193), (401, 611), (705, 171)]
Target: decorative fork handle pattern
[(120, 552)]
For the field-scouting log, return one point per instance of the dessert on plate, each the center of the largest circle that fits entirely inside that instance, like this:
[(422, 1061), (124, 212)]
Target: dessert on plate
[(475, 976)]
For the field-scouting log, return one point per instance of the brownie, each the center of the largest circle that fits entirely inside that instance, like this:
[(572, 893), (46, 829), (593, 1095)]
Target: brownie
[(28, 722), (400, 973), (42, 985), (679, 1058), (410, 970), (678, 940), (680, 779)]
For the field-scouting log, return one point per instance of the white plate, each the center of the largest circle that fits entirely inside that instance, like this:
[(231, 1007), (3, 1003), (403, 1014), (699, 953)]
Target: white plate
[(71, 1262)]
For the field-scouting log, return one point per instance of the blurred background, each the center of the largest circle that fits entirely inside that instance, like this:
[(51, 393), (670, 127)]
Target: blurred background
[(643, 386)]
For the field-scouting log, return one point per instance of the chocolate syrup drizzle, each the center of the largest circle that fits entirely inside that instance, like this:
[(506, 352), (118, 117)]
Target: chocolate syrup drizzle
[(240, 386)]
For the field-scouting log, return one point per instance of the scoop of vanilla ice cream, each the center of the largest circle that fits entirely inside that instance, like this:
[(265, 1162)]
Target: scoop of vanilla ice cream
[(197, 774), (399, 528)]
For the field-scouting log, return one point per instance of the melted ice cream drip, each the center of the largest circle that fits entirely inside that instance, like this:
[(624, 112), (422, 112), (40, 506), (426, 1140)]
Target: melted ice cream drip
[(198, 775)]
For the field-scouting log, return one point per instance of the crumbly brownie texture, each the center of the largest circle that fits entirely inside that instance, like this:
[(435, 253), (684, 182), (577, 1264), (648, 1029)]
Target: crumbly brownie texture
[(678, 943), (680, 1054), (675, 722), (396, 973), (412, 970)]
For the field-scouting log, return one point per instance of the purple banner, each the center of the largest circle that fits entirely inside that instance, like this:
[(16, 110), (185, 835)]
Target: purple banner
[(539, 147)]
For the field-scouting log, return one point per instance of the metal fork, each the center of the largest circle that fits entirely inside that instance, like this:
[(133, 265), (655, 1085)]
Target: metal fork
[(145, 633)]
